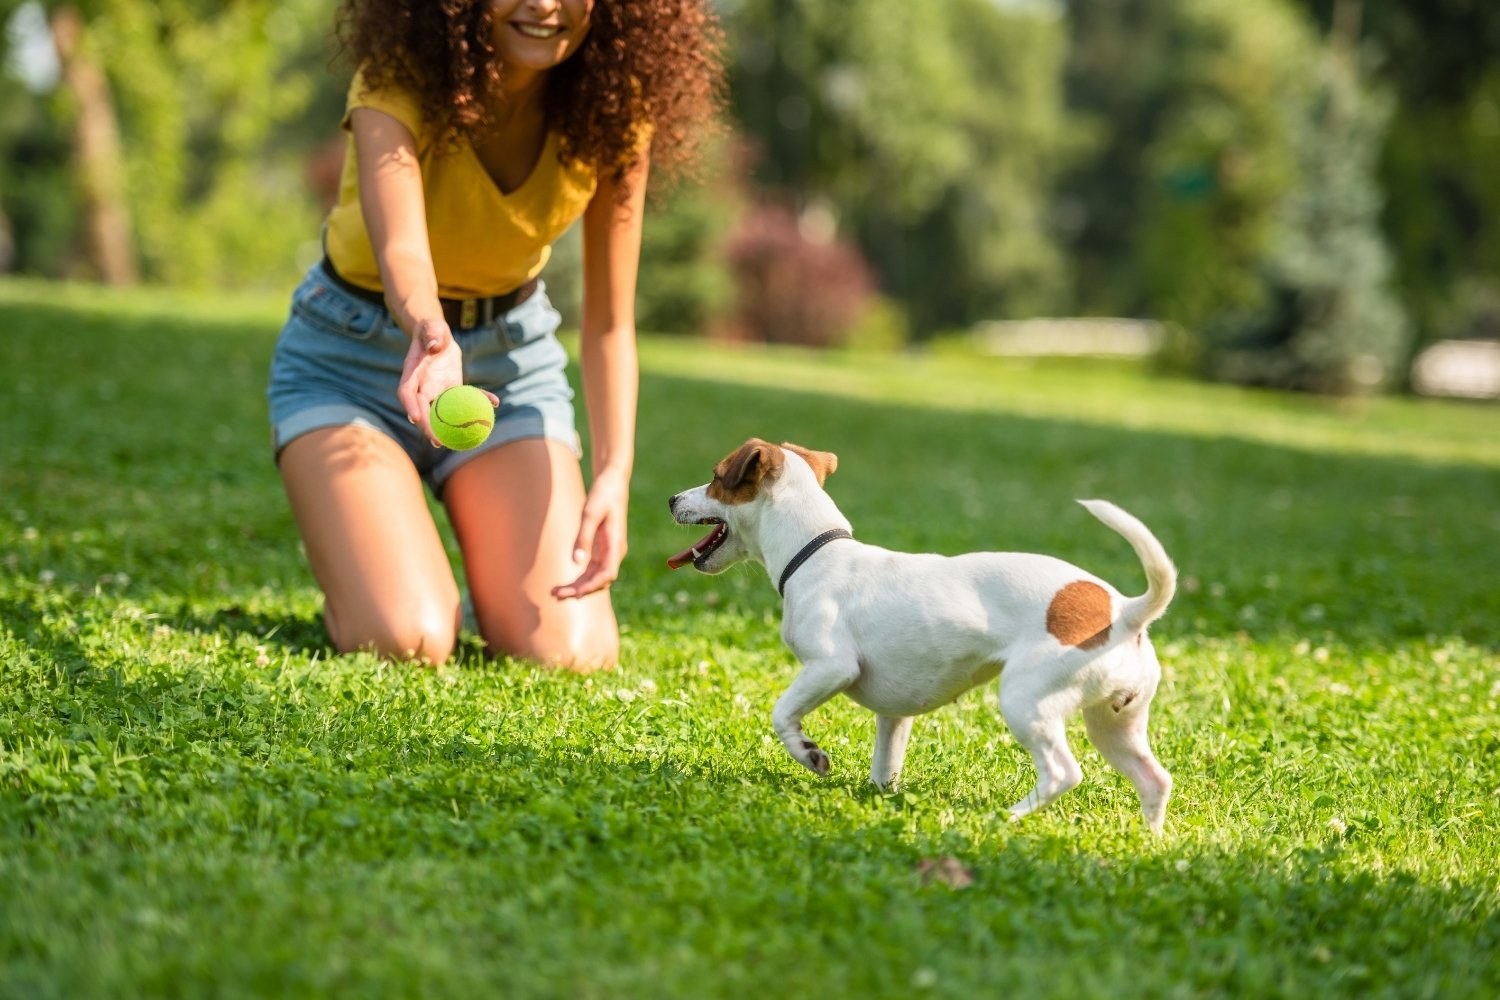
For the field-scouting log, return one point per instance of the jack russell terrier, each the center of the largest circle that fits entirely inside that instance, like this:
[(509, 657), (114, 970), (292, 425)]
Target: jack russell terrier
[(903, 634)]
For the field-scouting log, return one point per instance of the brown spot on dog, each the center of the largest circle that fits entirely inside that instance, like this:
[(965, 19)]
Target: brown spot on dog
[(824, 463), (737, 479), (1080, 615)]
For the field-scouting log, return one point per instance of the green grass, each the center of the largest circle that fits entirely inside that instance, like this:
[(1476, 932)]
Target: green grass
[(198, 798)]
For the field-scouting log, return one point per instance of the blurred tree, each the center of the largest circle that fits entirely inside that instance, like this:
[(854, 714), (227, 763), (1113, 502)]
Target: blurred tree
[(1440, 51), (1441, 59), (37, 196), (1222, 159), (684, 286), (81, 119), (1192, 105), (935, 148), (1119, 83), (204, 88), (202, 189), (1330, 322), (97, 157), (1253, 223)]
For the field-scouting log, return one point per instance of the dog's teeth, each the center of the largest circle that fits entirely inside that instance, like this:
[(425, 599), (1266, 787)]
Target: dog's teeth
[(696, 553)]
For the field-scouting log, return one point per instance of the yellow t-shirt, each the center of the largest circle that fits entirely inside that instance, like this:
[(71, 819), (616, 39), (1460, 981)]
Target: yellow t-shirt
[(484, 242)]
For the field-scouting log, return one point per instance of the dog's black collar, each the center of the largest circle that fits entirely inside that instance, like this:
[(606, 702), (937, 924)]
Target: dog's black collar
[(832, 534)]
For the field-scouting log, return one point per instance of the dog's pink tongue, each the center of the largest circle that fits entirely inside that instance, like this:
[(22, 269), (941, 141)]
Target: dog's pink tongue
[(688, 555)]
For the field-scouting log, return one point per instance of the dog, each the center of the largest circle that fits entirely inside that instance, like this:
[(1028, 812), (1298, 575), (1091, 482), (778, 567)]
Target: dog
[(902, 634)]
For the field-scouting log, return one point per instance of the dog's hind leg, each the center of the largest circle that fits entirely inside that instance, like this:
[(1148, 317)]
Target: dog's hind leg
[(1038, 719), (891, 734), (1119, 731), (813, 686)]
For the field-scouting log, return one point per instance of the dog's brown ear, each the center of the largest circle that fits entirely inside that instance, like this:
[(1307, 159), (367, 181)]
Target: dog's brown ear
[(824, 463), (737, 479)]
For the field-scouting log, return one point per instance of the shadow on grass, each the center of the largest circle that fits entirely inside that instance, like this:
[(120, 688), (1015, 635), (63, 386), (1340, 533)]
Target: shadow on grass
[(299, 636)]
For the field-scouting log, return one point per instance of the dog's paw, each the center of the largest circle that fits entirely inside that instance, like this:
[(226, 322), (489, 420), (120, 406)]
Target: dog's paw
[(819, 762), (816, 760)]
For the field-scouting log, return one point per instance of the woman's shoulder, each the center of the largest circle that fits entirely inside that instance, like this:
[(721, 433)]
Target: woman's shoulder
[(383, 91)]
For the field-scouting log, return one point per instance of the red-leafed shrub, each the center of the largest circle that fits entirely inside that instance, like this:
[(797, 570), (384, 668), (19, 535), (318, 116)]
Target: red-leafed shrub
[(795, 284)]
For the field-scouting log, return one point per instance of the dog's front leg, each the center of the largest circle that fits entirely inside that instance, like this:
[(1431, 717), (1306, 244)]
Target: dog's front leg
[(818, 681), (891, 734)]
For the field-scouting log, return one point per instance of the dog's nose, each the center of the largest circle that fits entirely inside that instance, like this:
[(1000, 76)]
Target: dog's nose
[(672, 503)]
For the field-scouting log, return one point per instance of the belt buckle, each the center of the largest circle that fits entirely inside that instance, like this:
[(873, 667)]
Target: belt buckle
[(468, 314)]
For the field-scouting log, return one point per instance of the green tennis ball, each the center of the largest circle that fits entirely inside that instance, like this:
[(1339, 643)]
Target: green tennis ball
[(462, 417)]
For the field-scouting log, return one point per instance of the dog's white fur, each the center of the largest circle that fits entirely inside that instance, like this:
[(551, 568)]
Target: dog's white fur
[(902, 634)]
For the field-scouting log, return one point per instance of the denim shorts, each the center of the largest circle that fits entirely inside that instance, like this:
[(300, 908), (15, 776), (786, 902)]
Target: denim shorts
[(339, 358)]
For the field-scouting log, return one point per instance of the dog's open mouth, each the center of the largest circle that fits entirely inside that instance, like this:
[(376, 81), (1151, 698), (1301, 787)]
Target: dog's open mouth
[(703, 549)]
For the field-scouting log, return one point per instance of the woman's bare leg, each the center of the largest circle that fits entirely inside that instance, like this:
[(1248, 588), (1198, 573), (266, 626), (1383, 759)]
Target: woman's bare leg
[(515, 511), (372, 544)]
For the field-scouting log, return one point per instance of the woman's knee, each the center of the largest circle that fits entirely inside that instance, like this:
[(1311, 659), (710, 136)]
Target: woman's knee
[(582, 654), (424, 634), (579, 642)]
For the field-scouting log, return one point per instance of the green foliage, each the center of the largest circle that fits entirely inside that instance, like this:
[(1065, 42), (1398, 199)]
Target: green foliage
[(1262, 233), (1443, 211), (683, 286), (1000, 213), (1439, 214), (202, 91), (1195, 107), (1331, 323), (811, 85), (36, 187), (1442, 208), (1136, 157), (937, 155), (1224, 159), (1120, 61), (198, 798), (882, 326)]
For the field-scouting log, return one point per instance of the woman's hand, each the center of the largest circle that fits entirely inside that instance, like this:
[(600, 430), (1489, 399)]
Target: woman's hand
[(601, 535), (434, 363)]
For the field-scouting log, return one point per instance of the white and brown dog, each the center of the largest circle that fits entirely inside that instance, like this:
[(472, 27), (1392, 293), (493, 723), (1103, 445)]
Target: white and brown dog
[(903, 634)]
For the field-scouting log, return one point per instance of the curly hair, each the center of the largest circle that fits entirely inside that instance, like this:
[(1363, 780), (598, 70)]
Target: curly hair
[(653, 63)]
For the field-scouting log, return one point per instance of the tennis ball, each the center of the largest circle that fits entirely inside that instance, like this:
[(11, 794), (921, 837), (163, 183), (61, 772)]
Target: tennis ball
[(461, 417)]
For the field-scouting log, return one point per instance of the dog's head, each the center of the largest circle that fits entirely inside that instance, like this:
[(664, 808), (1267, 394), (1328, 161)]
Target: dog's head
[(747, 483)]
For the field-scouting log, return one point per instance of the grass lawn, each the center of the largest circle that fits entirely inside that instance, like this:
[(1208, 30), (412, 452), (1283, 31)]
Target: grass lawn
[(197, 797)]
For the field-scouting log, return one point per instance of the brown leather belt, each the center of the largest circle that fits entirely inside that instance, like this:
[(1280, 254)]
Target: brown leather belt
[(461, 314)]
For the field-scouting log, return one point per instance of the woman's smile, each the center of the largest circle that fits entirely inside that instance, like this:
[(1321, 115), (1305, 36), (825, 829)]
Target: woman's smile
[(537, 30), (536, 35)]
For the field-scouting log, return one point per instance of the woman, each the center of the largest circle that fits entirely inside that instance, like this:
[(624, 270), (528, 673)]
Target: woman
[(478, 133)]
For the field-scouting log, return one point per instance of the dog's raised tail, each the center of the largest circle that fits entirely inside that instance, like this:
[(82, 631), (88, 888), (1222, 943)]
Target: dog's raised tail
[(1161, 574)]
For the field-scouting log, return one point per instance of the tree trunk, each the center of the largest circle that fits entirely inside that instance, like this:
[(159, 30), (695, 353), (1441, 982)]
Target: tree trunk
[(98, 160)]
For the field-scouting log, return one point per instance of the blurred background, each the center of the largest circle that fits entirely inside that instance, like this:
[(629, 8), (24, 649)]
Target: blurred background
[(1291, 193)]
